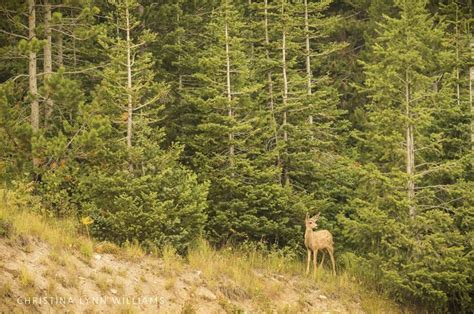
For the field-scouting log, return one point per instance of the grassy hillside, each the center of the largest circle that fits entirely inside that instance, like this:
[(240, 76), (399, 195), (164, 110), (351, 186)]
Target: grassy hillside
[(51, 265)]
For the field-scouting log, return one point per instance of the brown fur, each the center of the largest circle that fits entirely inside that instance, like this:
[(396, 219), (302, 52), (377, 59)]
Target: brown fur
[(317, 241)]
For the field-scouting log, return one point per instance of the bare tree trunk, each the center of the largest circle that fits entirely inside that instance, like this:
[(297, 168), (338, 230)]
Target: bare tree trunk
[(308, 59), (129, 89), (229, 90), (471, 95), (270, 86), (48, 62), (458, 88), (74, 55), (410, 162), (285, 93), (180, 76), (60, 55), (33, 84), (285, 85)]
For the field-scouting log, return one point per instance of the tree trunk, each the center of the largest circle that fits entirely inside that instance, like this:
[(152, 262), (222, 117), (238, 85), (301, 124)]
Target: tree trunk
[(60, 56), (48, 62), (285, 93), (410, 159), (180, 76), (458, 87), (308, 60), (229, 90), (129, 89), (33, 84), (471, 95), (270, 86), (74, 55)]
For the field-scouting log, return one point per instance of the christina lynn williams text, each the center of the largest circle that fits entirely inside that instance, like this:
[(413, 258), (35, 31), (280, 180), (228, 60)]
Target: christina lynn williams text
[(56, 300)]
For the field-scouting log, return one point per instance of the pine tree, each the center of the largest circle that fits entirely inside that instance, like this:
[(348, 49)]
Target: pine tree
[(404, 84), (128, 79)]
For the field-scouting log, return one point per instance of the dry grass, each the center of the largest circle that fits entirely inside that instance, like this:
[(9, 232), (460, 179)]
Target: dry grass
[(132, 251), (21, 211), (5, 290), (172, 262), (106, 270), (26, 280), (248, 275), (170, 283), (86, 248), (106, 247), (240, 274), (243, 279), (188, 307), (102, 283)]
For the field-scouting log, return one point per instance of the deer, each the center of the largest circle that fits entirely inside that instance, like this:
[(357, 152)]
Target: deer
[(317, 241)]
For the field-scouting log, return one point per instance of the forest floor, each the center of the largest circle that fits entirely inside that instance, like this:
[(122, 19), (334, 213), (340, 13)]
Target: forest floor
[(47, 267)]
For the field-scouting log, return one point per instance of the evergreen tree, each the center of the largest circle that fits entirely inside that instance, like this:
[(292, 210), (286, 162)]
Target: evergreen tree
[(245, 201), (401, 212)]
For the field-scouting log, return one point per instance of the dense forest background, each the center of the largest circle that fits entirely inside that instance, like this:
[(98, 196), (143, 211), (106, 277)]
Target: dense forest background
[(168, 120)]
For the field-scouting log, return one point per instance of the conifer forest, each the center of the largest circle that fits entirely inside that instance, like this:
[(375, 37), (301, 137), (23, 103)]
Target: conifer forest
[(165, 121)]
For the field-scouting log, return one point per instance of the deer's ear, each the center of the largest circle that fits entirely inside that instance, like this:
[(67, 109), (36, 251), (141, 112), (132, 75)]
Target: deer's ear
[(316, 217), (307, 217)]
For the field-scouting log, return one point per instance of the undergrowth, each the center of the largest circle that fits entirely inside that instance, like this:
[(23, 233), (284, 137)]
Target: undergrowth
[(249, 271)]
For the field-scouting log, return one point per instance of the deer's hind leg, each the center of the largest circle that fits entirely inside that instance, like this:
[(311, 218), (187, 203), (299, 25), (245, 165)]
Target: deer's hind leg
[(331, 252), (308, 261), (322, 259)]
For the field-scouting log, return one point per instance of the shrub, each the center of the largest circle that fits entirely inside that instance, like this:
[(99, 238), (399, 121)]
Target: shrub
[(107, 248), (166, 206), (5, 228)]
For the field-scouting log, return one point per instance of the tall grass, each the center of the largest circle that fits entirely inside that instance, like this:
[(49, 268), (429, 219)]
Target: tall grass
[(21, 210), (249, 270)]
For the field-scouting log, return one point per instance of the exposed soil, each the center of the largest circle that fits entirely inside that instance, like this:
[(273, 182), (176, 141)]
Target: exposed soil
[(35, 278)]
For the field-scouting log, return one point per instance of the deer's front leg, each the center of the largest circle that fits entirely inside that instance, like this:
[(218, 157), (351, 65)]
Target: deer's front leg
[(315, 261), (308, 261)]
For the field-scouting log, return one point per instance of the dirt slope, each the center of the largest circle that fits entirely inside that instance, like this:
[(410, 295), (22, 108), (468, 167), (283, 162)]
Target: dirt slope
[(36, 278)]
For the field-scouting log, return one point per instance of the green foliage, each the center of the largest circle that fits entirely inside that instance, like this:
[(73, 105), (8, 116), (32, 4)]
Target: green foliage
[(170, 121), (165, 206), (5, 228), (419, 258)]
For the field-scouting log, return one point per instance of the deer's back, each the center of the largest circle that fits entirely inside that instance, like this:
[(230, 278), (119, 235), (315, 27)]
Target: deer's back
[(322, 239)]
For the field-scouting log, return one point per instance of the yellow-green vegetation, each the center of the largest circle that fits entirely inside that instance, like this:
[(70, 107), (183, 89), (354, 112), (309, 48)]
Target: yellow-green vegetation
[(245, 273), (132, 251), (102, 283), (127, 309), (188, 308), (245, 279), (107, 248), (5, 290), (172, 262), (170, 282), (52, 286), (86, 248), (26, 280), (20, 210), (248, 269), (106, 270), (58, 259)]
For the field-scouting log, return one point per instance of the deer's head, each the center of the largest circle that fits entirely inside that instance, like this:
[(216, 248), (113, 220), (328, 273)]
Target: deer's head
[(311, 222)]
